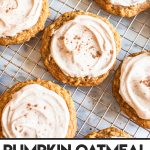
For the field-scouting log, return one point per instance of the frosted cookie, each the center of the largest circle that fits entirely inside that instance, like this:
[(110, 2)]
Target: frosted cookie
[(80, 48), (124, 8), (109, 133), (37, 109), (131, 87), (22, 19)]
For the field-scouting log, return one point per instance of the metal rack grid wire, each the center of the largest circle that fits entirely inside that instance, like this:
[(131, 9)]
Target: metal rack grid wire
[(96, 107)]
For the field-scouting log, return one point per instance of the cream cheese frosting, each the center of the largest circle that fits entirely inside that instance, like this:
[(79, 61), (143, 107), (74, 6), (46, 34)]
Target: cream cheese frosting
[(18, 15), (84, 47), (135, 84), (127, 2), (35, 112)]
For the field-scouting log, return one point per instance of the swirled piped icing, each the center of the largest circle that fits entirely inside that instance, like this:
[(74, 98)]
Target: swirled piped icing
[(84, 47), (18, 15), (127, 2), (35, 112), (135, 83)]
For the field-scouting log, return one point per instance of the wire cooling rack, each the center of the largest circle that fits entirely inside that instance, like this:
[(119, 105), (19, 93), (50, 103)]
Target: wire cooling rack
[(96, 107)]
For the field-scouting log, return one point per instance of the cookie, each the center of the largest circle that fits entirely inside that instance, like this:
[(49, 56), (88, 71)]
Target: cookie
[(20, 26), (124, 8), (37, 109), (109, 133), (131, 87), (80, 48)]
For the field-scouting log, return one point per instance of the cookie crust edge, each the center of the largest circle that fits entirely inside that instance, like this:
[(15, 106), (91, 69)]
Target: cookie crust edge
[(108, 133), (122, 10)]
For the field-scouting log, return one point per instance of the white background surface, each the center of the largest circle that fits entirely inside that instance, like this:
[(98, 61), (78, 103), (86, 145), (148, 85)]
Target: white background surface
[(75, 143)]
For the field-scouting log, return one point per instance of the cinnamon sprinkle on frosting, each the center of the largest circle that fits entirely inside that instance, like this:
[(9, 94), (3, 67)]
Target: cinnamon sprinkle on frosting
[(146, 82)]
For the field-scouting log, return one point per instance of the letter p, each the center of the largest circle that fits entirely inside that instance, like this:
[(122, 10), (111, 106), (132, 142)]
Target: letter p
[(8, 147)]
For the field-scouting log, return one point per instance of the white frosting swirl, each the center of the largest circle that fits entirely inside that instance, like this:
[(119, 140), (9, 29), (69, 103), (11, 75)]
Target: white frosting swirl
[(127, 2), (84, 46), (35, 112), (18, 15), (135, 84)]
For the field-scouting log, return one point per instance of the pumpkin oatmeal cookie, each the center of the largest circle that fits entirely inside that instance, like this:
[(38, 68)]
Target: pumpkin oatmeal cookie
[(21, 21), (131, 87), (37, 109), (80, 48)]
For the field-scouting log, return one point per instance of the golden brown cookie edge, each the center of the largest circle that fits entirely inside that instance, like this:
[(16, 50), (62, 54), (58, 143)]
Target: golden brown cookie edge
[(123, 11), (108, 133)]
